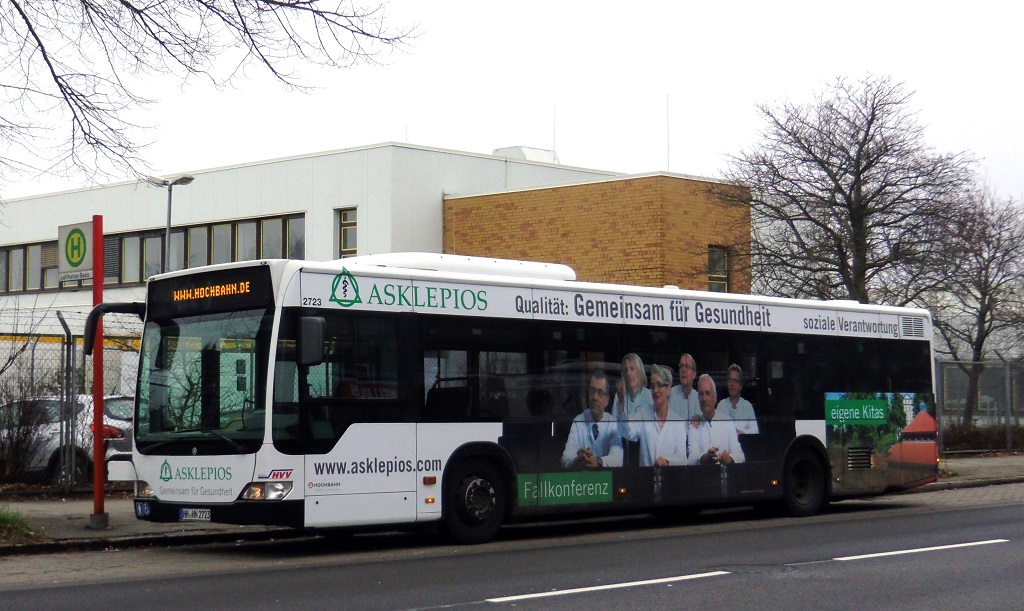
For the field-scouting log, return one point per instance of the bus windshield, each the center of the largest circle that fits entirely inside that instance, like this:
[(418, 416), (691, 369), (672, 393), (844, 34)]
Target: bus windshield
[(202, 382)]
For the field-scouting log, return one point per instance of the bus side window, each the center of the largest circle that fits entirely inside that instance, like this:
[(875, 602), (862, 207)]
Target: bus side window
[(447, 404), (493, 399), (540, 404), (784, 397)]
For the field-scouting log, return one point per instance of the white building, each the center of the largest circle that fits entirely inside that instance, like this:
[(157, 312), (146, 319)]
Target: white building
[(365, 200)]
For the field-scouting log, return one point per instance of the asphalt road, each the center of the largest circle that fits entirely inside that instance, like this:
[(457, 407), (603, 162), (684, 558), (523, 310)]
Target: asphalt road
[(939, 550)]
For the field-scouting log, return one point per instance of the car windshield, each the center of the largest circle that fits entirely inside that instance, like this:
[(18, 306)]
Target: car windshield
[(201, 383), (119, 408)]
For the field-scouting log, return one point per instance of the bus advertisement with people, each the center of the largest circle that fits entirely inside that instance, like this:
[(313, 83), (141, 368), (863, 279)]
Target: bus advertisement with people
[(423, 389)]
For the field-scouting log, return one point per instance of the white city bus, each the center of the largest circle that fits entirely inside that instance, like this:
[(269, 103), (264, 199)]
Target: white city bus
[(424, 389)]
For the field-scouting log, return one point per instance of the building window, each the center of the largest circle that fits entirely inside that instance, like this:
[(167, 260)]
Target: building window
[(198, 251), (131, 254), (16, 270), (271, 245), (296, 227), (245, 240), (51, 274), (221, 244), (718, 269), (347, 233), (35, 267), (177, 258), (111, 262), (154, 255), (3, 270)]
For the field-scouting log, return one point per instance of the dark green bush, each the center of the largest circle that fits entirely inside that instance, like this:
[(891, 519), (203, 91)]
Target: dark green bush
[(959, 437)]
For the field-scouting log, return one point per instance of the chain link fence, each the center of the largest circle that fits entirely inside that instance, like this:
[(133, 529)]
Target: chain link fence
[(996, 422), (46, 386)]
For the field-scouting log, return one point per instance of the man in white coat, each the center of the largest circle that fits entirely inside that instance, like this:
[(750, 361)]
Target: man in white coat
[(683, 398), (712, 441), (594, 440)]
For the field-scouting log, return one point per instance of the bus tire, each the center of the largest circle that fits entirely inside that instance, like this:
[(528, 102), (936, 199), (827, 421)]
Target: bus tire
[(803, 481), (475, 502)]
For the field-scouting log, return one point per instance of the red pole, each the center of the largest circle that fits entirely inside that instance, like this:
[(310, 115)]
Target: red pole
[(99, 519)]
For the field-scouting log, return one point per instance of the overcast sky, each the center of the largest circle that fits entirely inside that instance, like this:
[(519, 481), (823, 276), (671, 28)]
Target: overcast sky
[(623, 86)]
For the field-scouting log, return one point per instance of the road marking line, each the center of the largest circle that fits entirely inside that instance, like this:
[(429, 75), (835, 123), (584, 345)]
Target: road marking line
[(612, 586), (922, 549)]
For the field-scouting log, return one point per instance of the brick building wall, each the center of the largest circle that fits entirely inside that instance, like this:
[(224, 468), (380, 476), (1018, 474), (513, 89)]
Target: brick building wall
[(643, 230)]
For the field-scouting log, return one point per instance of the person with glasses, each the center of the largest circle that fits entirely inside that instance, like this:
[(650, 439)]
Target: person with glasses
[(594, 440), (660, 431), (683, 398), (736, 407), (713, 440)]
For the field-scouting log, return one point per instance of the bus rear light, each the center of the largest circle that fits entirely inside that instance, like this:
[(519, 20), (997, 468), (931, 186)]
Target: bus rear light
[(775, 482), (266, 491), (429, 480), (429, 500)]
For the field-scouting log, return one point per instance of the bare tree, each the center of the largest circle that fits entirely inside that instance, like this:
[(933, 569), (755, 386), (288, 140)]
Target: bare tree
[(979, 308), (846, 197), (24, 324), (73, 68)]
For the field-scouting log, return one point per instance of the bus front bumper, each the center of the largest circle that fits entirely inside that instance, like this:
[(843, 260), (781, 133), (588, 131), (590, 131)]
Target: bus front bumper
[(248, 513)]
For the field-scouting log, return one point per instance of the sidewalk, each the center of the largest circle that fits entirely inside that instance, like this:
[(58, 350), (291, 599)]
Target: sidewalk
[(974, 471), (64, 522)]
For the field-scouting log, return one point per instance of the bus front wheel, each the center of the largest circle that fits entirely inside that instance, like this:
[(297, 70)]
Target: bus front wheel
[(475, 503), (804, 484)]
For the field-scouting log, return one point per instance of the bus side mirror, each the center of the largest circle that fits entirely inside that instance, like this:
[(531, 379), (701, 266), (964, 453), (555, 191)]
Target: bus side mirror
[(310, 351), (92, 320)]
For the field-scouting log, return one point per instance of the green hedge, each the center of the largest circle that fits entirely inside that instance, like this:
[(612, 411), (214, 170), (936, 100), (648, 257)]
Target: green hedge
[(959, 437)]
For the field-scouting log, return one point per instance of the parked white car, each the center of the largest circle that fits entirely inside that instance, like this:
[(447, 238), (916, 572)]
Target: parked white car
[(119, 414), (30, 431)]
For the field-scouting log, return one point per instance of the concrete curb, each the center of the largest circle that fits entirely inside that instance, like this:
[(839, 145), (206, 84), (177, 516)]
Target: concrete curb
[(146, 540), (971, 483)]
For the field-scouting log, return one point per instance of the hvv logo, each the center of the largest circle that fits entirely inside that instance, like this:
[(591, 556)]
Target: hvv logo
[(277, 474)]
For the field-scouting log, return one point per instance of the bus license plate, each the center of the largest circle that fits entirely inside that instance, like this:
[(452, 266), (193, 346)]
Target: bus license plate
[(193, 514)]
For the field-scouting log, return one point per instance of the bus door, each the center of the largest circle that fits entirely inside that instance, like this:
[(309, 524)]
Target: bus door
[(346, 415)]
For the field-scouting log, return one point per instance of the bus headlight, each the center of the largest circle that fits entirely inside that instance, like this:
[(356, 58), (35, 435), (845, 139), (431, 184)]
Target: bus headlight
[(143, 490), (266, 491)]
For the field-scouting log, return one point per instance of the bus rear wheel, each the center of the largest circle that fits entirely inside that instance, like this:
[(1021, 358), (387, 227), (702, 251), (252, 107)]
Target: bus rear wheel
[(803, 484), (475, 502)]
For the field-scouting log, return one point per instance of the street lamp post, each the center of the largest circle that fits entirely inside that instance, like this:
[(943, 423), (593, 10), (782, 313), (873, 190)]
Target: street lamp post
[(170, 183)]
